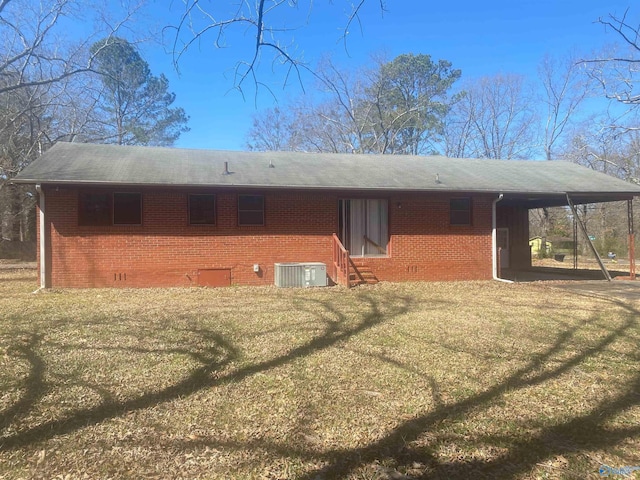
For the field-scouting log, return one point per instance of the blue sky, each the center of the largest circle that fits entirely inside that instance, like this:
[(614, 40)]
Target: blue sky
[(480, 38)]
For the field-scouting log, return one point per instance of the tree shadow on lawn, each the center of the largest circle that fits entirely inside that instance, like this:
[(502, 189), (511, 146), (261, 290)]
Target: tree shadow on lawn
[(586, 431), (218, 355), (398, 450), (33, 385)]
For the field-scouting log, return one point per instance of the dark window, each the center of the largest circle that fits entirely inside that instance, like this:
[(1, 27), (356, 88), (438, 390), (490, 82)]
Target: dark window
[(109, 209), (460, 211), (94, 209), (250, 210), (202, 209), (127, 209)]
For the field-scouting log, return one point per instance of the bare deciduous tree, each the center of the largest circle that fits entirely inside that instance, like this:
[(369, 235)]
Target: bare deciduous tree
[(22, 122), (262, 26), (493, 118), (33, 48), (397, 107), (39, 65), (614, 153), (616, 70), (607, 151), (565, 87), (271, 130)]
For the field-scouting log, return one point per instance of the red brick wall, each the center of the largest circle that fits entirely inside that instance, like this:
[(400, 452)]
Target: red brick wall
[(424, 246), (167, 251)]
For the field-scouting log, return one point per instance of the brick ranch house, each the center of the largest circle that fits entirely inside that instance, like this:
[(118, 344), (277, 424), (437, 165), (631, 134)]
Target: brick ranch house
[(120, 216)]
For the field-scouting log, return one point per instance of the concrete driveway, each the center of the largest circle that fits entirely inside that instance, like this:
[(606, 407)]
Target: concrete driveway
[(626, 290), (583, 281)]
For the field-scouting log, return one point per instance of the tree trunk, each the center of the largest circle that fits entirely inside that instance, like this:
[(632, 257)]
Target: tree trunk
[(15, 210)]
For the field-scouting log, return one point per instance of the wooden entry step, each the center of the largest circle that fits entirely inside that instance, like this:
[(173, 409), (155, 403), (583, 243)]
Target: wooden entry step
[(362, 275)]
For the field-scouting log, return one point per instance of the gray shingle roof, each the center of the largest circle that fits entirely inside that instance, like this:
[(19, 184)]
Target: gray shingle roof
[(77, 163)]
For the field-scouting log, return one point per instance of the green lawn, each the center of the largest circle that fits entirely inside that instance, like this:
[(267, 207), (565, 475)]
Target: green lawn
[(418, 380)]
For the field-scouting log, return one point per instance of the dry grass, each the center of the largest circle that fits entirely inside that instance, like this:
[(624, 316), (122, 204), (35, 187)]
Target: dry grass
[(438, 380)]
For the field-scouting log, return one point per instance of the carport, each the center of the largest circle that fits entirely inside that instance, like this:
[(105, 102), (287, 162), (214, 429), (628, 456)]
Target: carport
[(512, 230)]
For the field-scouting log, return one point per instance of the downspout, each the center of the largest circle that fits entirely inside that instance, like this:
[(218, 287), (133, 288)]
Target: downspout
[(43, 250), (494, 242)]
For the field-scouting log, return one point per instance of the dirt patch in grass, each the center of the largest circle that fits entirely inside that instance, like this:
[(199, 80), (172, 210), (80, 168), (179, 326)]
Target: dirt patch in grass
[(442, 380)]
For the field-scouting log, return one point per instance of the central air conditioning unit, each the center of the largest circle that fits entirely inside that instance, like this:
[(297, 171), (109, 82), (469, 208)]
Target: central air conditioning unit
[(300, 274)]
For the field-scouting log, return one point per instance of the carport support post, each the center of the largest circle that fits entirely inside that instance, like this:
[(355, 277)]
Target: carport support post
[(632, 241), (575, 242), (586, 236)]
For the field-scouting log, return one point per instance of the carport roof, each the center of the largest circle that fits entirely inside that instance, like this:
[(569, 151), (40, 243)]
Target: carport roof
[(530, 183)]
